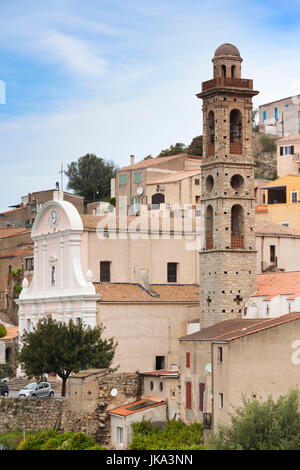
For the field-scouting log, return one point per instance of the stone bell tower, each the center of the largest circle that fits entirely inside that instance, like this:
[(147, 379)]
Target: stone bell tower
[(228, 253)]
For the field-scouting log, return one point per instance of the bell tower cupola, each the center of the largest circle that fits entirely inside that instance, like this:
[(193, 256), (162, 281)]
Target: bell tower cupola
[(228, 254)]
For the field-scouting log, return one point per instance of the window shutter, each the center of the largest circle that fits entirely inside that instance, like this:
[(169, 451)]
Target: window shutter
[(201, 396), (292, 150), (188, 359), (188, 389), (281, 150)]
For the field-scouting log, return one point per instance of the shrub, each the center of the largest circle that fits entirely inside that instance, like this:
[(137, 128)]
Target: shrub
[(2, 331), (260, 425), (175, 435), (267, 142), (51, 440)]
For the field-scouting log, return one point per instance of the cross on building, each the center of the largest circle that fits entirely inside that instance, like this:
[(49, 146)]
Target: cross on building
[(238, 299)]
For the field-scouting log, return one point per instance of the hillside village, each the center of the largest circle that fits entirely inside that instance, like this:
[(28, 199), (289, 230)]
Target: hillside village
[(194, 272)]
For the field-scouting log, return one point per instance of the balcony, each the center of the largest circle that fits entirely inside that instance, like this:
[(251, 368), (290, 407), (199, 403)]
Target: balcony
[(237, 241), (229, 82), (296, 157)]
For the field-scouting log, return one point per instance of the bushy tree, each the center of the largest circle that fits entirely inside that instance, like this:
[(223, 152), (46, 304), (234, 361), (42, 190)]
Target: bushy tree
[(6, 370), (90, 177), (173, 150), (51, 440), (196, 146), (175, 435), (262, 425), (64, 348), (2, 331), (267, 143)]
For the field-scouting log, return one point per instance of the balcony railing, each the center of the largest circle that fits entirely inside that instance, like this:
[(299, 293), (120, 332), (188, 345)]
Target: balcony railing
[(296, 157), (220, 82), (237, 241)]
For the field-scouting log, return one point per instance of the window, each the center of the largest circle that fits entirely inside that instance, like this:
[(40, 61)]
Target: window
[(151, 385), (161, 386), (220, 400), (197, 181), (137, 177), (188, 359), (275, 114), (289, 150), (264, 115), (172, 393), (272, 253), (172, 272), (294, 196), (29, 264), (159, 362), (188, 395), (201, 396), (53, 276), (105, 271), (220, 354), (286, 224), (123, 180), (120, 435)]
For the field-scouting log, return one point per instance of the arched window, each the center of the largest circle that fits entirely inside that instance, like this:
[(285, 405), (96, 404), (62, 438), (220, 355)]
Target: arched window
[(53, 276), (237, 226), (233, 71), (223, 70), (235, 131), (157, 199), (209, 228), (211, 133), (8, 354)]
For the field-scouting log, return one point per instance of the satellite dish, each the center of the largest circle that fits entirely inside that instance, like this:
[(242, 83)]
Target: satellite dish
[(208, 368), (140, 190), (114, 392)]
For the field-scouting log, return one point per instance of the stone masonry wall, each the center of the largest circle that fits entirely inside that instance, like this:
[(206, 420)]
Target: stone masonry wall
[(85, 410)]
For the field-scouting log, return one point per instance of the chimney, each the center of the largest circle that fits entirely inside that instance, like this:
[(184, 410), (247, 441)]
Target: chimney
[(131, 160)]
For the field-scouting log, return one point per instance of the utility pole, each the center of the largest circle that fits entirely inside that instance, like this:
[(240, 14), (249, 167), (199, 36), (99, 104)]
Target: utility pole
[(61, 177)]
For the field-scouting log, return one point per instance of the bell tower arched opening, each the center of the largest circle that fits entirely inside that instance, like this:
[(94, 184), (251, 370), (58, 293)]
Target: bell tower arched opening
[(237, 226), (211, 131), (209, 228), (236, 132)]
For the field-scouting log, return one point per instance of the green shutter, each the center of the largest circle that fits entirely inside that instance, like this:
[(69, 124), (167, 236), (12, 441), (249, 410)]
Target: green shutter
[(122, 180), (137, 177)]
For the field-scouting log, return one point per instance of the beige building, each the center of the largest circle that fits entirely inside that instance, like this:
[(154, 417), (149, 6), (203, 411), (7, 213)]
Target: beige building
[(281, 117), (131, 181), (257, 358), (288, 155)]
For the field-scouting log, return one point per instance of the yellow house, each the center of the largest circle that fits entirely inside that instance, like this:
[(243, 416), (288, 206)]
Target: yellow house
[(283, 201)]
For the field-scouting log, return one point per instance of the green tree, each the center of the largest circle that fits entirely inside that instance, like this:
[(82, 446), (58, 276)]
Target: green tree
[(90, 177), (2, 331), (262, 425), (196, 146), (173, 150), (268, 143), (6, 370), (175, 435), (64, 348)]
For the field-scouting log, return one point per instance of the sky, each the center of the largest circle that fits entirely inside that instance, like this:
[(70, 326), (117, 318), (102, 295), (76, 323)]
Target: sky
[(119, 77)]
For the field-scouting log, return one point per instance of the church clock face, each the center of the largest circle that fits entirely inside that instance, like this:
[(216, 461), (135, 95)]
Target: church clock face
[(53, 219)]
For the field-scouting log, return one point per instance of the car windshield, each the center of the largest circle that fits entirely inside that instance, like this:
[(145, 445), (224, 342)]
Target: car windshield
[(30, 386)]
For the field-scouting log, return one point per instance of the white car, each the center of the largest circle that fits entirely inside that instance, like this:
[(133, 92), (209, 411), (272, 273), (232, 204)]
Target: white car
[(36, 390)]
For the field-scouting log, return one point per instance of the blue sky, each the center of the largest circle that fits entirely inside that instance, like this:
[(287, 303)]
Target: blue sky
[(119, 77)]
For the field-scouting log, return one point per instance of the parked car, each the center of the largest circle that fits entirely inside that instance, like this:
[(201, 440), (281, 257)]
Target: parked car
[(4, 391), (36, 390)]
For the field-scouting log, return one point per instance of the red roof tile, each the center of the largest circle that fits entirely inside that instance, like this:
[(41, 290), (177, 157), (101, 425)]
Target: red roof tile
[(11, 333), (272, 284), (151, 162), (125, 411)]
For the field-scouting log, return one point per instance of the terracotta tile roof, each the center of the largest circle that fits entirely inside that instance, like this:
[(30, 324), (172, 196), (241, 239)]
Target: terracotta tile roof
[(11, 333), (262, 227), (230, 330), (261, 209), (150, 162), (26, 251), (13, 210), (134, 293), (178, 176), (272, 284), (125, 411), (14, 233), (289, 138), (162, 373), (142, 223)]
